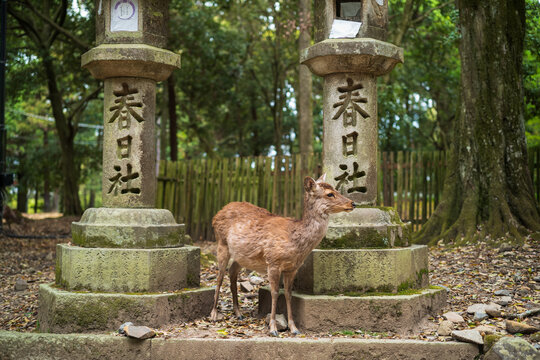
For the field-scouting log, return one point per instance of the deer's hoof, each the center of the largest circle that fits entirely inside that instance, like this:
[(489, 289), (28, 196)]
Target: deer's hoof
[(239, 317), (296, 332), (274, 333)]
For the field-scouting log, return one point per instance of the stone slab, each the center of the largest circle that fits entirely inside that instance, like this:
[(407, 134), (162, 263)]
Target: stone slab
[(367, 227), (24, 346), (365, 55), (127, 270), (363, 270), (128, 228), (130, 60), (399, 313), (67, 312)]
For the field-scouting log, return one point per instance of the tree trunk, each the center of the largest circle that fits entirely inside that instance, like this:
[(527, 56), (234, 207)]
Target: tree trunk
[(173, 122), (488, 192), (22, 194), (305, 110), (46, 176), (66, 136)]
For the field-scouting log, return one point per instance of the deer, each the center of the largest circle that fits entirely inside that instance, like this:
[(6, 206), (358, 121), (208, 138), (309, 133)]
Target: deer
[(255, 239)]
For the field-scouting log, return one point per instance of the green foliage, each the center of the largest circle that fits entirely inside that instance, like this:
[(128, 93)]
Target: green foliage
[(531, 73)]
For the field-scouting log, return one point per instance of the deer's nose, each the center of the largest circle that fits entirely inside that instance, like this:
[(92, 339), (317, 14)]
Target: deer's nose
[(353, 204)]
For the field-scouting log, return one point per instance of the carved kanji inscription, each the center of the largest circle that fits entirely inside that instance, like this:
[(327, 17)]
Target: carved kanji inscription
[(345, 178), (348, 106), (124, 108)]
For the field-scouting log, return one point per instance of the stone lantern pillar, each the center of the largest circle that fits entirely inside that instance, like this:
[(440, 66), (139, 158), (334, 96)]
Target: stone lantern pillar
[(367, 250), (128, 261)]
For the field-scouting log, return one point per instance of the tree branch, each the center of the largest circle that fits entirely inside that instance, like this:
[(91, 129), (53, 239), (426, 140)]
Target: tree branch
[(79, 43), (83, 102), (424, 15)]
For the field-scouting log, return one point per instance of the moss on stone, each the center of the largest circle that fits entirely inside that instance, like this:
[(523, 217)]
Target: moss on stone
[(366, 238), (490, 340)]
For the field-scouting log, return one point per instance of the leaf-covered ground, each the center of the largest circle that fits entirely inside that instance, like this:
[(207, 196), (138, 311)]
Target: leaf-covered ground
[(471, 274)]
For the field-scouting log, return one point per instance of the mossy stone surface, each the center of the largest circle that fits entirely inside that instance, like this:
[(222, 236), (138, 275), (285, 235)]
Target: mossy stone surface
[(128, 228), (127, 270), (396, 313), (63, 311), (364, 270), (367, 227)]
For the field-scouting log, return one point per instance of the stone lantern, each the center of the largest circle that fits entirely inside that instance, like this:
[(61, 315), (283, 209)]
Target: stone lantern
[(128, 261), (366, 250)]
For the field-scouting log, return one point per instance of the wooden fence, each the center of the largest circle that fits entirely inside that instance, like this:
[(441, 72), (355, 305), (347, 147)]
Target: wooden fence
[(194, 190)]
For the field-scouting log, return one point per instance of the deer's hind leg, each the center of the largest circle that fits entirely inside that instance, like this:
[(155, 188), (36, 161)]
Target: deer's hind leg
[(233, 275), (223, 259)]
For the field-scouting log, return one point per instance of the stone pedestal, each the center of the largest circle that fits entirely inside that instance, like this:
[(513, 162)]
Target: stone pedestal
[(129, 262), (324, 313)]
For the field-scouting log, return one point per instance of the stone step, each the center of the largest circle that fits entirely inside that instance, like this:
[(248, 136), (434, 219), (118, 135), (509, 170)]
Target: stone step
[(127, 270), (69, 312), (361, 270), (17, 345), (321, 313)]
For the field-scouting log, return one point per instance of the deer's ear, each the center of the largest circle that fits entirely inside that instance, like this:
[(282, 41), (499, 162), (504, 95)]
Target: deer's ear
[(322, 178), (309, 183)]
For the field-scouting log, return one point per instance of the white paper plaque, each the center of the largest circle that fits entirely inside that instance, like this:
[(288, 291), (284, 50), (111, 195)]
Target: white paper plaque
[(124, 15), (344, 29)]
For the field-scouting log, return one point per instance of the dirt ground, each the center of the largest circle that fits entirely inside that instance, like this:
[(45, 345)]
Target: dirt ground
[(471, 274)]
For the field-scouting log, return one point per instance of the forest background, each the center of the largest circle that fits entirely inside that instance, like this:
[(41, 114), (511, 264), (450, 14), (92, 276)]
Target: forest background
[(237, 93)]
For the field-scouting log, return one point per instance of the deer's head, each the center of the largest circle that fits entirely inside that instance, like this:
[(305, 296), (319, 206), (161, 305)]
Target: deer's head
[(323, 197)]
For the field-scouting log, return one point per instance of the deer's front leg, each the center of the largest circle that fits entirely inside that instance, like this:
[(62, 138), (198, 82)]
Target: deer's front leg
[(273, 278), (288, 279)]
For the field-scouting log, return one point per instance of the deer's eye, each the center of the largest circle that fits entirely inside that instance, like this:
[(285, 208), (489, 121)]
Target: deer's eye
[(330, 195)]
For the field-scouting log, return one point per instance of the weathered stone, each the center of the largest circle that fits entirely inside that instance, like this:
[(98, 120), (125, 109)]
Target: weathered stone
[(70, 312), (486, 329), (150, 27), (502, 293), (480, 315), (281, 322), (490, 340), (366, 55), (17, 345), (20, 285), (398, 313), (366, 227), (139, 332), (453, 317), (511, 348), (514, 327), (128, 228), (256, 280), (139, 61), (475, 307), (470, 336), (493, 311), (246, 286), (535, 337), (367, 270), (504, 300), (372, 16), (529, 313), (445, 328), (127, 270), (122, 328)]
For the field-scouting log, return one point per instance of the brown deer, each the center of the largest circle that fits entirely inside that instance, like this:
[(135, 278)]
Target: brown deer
[(258, 240)]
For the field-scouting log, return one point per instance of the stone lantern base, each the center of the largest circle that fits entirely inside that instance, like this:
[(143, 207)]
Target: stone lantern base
[(124, 265), (322, 313), (64, 312)]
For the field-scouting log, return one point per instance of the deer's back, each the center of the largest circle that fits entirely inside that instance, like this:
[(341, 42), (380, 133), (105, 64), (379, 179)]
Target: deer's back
[(253, 235)]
